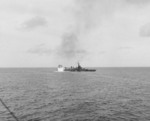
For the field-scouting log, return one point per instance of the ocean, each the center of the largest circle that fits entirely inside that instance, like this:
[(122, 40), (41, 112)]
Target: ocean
[(109, 94)]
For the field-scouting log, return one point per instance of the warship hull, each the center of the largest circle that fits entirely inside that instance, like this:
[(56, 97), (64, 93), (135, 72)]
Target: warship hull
[(82, 70), (74, 69)]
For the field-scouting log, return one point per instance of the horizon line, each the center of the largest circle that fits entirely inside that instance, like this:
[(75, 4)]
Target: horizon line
[(85, 67)]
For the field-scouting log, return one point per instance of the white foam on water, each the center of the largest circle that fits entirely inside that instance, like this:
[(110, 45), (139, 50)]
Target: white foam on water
[(59, 71)]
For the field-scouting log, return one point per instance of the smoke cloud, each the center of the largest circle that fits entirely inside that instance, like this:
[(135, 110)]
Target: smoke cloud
[(89, 15), (70, 47)]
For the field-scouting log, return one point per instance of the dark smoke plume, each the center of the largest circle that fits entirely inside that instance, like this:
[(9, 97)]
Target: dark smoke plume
[(70, 47), (88, 15)]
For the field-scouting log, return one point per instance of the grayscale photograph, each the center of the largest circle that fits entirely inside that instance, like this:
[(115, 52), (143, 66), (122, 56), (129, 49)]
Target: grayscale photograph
[(74, 60)]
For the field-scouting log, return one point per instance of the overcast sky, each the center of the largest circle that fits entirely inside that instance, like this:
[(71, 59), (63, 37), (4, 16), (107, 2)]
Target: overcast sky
[(103, 33)]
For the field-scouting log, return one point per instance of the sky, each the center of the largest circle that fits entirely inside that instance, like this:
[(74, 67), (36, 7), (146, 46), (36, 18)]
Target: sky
[(97, 33)]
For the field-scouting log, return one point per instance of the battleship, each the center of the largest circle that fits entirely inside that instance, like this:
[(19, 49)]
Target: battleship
[(74, 69)]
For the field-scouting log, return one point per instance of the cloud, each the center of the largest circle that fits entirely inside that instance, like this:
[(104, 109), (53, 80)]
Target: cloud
[(40, 50), (138, 2), (145, 30), (101, 52), (125, 48), (90, 13), (33, 23)]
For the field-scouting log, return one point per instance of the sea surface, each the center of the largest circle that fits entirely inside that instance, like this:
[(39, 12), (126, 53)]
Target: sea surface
[(109, 94)]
